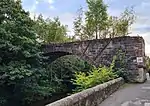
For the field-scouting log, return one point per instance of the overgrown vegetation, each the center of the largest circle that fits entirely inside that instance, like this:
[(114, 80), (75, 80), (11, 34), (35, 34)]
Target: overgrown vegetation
[(102, 74), (147, 61), (50, 30), (25, 78), (93, 78), (64, 68), (120, 65)]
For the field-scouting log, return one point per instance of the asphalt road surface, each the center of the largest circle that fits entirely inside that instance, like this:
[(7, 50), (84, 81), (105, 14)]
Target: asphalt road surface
[(130, 95)]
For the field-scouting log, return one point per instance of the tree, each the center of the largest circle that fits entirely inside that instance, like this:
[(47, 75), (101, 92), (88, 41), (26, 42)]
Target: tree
[(50, 30), (125, 21), (120, 26), (78, 25), (22, 76), (98, 22), (96, 18)]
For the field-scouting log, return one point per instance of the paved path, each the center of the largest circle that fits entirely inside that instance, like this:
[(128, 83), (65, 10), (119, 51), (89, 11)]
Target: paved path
[(130, 95)]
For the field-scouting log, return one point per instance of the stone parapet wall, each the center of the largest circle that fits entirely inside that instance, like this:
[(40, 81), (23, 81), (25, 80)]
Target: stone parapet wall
[(92, 96)]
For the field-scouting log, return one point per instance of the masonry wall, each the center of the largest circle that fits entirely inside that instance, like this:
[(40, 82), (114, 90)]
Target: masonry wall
[(90, 97), (92, 51)]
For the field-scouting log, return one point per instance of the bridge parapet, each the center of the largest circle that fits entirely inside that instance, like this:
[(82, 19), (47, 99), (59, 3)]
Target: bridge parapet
[(92, 96)]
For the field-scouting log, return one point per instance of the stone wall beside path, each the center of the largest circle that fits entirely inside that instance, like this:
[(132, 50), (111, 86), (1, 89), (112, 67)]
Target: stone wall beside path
[(92, 96)]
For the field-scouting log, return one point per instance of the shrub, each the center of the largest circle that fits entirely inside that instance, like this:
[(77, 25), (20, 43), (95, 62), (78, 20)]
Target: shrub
[(93, 78), (120, 65), (147, 61), (64, 68)]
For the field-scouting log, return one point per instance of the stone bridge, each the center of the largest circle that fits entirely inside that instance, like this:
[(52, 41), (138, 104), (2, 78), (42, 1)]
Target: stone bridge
[(101, 51)]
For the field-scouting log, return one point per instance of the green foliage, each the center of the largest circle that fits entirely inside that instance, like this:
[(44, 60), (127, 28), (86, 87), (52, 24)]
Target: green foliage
[(120, 65), (94, 77), (23, 79), (78, 25), (102, 74), (2, 101), (121, 25), (64, 68), (49, 30), (95, 20), (147, 61), (99, 24), (96, 17)]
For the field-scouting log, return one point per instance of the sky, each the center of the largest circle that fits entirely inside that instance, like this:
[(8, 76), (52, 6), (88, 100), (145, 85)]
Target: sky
[(66, 11)]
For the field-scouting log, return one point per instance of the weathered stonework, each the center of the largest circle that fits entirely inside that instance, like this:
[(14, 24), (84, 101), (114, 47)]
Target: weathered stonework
[(92, 96), (101, 51)]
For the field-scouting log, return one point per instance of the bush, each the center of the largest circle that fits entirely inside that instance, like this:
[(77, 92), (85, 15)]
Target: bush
[(23, 78), (120, 65), (64, 68), (94, 77), (147, 61)]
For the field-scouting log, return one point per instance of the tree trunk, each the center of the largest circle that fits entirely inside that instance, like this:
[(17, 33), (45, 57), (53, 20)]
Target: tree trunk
[(96, 33)]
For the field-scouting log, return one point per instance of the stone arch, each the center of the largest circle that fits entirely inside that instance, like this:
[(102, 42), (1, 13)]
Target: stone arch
[(56, 54)]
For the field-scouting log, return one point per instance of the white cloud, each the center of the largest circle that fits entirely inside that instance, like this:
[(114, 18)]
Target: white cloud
[(51, 4), (30, 7), (50, 1), (146, 36), (51, 7), (37, 2)]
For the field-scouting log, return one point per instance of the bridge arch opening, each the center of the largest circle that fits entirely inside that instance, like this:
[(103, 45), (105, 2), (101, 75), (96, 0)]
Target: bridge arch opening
[(64, 68), (52, 56)]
